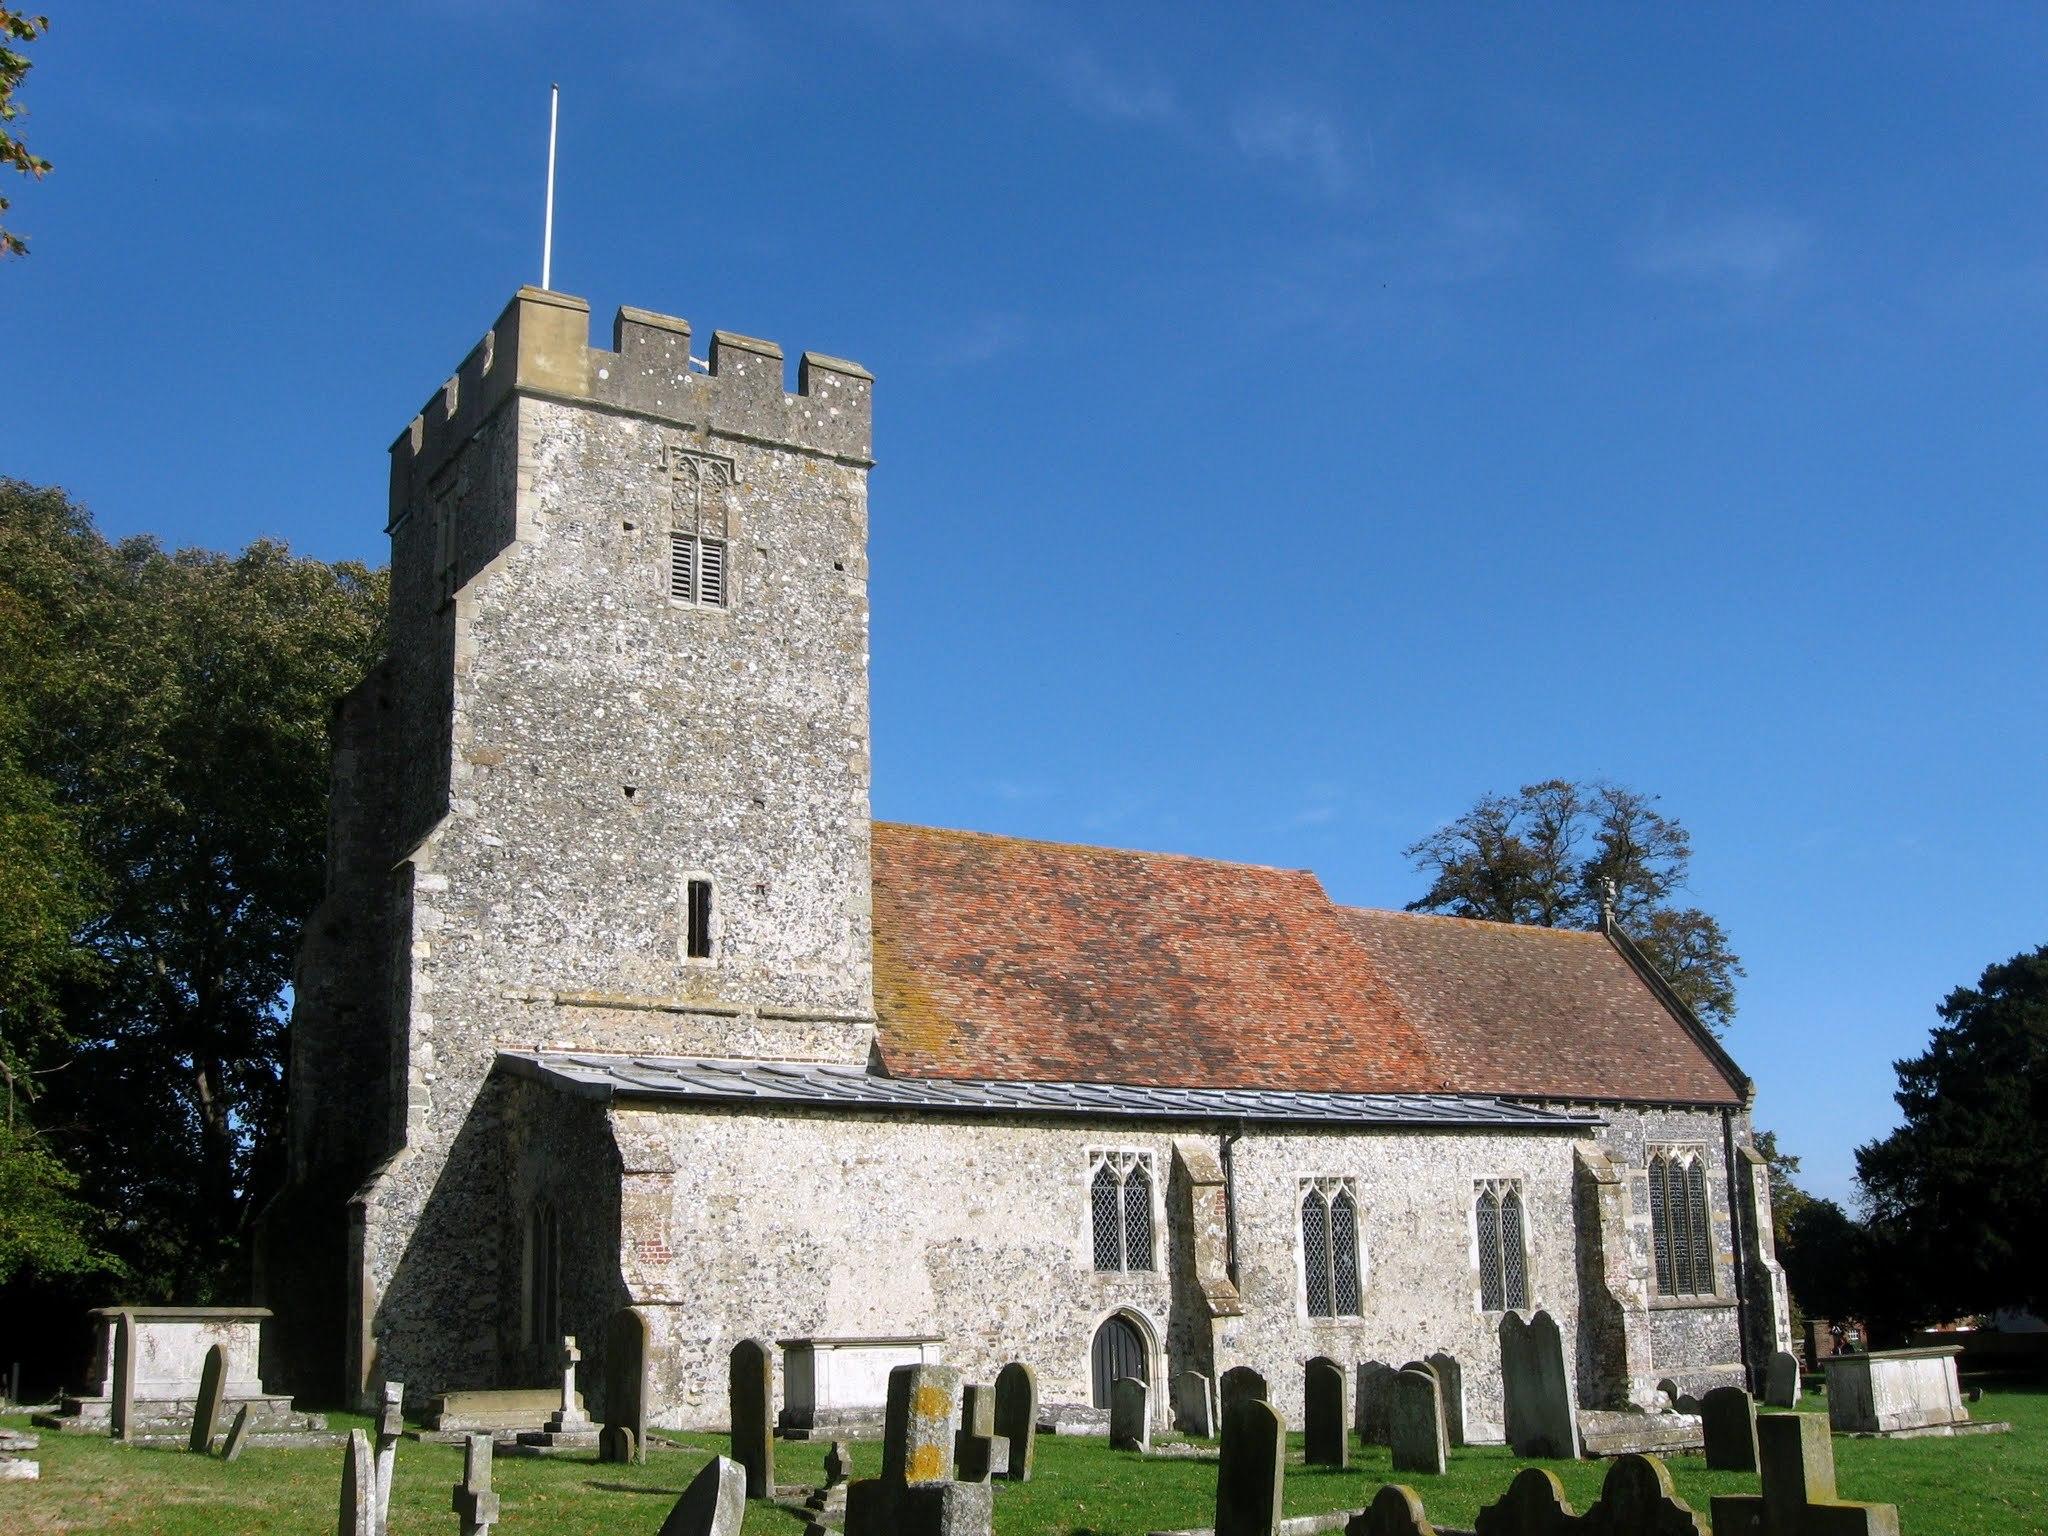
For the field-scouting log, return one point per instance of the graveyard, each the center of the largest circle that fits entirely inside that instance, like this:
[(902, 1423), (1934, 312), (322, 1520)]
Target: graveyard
[(1975, 1486)]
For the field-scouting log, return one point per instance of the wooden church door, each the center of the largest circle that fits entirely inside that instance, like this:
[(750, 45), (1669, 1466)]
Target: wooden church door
[(1119, 1350)]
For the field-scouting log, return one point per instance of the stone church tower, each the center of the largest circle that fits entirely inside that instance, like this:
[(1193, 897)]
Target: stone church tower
[(608, 792)]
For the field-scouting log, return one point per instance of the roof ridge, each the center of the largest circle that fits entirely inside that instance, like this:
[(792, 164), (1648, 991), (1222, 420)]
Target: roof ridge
[(1102, 848), (1476, 922)]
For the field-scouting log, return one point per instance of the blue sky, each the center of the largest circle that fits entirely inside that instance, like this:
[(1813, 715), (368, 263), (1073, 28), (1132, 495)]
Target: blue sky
[(1292, 422)]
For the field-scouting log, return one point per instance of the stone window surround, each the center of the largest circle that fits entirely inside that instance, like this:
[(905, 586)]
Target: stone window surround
[(1122, 1159), (1329, 1185), (683, 955), (1500, 1187), (1678, 1300)]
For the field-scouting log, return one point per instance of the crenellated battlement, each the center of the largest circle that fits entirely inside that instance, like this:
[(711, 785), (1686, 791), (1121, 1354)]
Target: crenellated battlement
[(540, 345)]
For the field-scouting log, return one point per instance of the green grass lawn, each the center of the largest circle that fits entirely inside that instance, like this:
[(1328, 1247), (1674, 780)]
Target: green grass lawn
[(1994, 1485)]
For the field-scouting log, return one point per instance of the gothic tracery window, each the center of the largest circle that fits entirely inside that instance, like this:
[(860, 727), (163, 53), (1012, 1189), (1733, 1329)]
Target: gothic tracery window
[(1330, 1265), (1120, 1210), (700, 489), (1681, 1236), (1503, 1250)]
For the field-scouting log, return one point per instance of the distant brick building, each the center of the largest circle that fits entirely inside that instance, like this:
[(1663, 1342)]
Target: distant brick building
[(618, 996)]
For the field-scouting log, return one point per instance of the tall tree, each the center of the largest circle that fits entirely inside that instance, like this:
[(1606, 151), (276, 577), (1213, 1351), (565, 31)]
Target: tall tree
[(1549, 854), (16, 27), (1955, 1196), (185, 733)]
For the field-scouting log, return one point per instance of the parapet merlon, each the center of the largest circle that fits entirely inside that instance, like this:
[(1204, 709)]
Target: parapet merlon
[(541, 346)]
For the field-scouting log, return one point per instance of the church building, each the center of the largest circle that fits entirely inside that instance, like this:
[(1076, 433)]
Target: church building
[(618, 995)]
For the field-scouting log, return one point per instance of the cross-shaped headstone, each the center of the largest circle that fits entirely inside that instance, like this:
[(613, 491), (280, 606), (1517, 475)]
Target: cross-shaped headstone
[(475, 1505), (1796, 1462), (569, 1417), (570, 1356)]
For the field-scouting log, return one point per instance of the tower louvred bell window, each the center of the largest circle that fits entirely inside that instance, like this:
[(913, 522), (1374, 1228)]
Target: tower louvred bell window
[(696, 571), (700, 495)]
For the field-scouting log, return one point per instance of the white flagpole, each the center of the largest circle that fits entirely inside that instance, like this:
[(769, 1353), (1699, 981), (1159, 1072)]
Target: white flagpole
[(547, 239)]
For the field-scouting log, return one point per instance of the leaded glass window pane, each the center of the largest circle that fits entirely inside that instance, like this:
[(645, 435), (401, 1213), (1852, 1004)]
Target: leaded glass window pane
[(1137, 1219), (1344, 1255), (1512, 1255), (1315, 1252), (1488, 1216), (1660, 1238), (1681, 1229), (1104, 1199), (1702, 1250)]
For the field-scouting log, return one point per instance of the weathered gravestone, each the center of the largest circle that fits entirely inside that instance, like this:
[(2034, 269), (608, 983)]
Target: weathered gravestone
[(1536, 1389), (1252, 1470), (213, 1377), (915, 1495), (624, 1436), (751, 1380), (713, 1505), (1728, 1417), (1375, 1392), (1796, 1465), (1237, 1383), (1017, 1417), (1450, 1380), (1781, 1381), (1194, 1405), (390, 1430), (1130, 1414), (475, 1505), (1394, 1511), (238, 1436), (974, 1446), (1415, 1428), (358, 1487), (1443, 1427), (1636, 1499), (1326, 1441), (123, 1411)]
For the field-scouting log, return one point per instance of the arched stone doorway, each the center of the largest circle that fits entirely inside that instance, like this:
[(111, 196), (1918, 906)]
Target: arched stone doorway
[(1121, 1348)]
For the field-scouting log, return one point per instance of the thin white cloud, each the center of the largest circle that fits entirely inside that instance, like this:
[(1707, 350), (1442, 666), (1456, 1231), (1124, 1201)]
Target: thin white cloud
[(1018, 790), (1749, 247), (1039, 39), (979, 339), (1297, 136), (1100, 91)]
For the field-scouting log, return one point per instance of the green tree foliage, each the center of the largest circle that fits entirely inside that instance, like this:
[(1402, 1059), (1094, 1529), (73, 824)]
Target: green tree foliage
[(181, 732), (1955, 1196), (1826, 1254), (1545, 856), (45, 1229), (16, 27)]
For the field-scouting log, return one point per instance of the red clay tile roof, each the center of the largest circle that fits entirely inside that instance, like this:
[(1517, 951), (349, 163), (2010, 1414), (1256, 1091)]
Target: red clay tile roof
[(1548, 1012), (998, 958)]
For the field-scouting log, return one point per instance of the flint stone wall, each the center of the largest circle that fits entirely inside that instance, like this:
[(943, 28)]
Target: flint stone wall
[(538, 671)]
